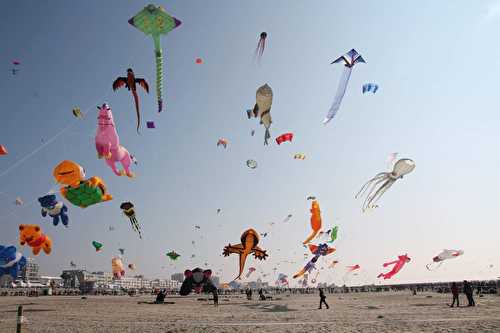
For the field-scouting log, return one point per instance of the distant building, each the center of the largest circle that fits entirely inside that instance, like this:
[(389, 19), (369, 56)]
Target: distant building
[(179, 277), (52, 281), (29, 273)]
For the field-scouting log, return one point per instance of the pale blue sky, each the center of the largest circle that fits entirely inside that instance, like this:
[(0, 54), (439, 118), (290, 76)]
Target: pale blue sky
[(437, 65)]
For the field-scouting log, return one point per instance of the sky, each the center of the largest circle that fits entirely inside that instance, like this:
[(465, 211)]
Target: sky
[(436, 63)]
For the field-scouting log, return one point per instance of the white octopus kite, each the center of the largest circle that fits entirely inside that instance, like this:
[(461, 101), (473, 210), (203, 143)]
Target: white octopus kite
[(373, 188)]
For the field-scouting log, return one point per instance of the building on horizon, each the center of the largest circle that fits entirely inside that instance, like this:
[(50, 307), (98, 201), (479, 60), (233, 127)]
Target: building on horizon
[(30, 272), (179, 277)]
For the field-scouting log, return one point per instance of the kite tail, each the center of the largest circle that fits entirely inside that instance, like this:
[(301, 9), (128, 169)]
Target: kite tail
[(159, 78), (267, 136), (311, 236), (380, 275), (136, 100)]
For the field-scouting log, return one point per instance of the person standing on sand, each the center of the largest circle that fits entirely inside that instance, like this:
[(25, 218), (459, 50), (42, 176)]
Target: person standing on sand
[(322, 299), (468, 293), (454, 292)]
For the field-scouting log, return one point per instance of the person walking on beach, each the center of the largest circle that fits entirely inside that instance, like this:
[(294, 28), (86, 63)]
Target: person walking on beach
[(468, 292), (454, 292), (322, 299)]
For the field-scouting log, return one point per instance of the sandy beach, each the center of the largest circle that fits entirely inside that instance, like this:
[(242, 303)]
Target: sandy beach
[(363, 312)]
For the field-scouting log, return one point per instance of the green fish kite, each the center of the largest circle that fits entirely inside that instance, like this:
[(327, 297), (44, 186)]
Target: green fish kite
[(333, 234), (155, 21)]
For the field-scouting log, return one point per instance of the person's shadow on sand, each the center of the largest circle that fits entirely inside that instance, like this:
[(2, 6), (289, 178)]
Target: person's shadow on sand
[(269, 307)]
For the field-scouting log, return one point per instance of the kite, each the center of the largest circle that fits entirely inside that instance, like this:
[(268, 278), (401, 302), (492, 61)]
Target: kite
[(222, 142), (284, 137), (198, 61), (133, 159), (150, 125), (11, 261), (333, 234), (353, 268), (15, 69), (218, 210), (197, 227), (97, 246), (19, 201), (77, 112), (249, 241), (262, 109), (311, 197), (251, 164), (299, 156), (287, 218), (32, 235), (261, 45), (16, 62), (318, 251), (252, 132), (173, 255), (198, 280), (55, 209), (250, 271), (3, 150), (117, 268), (111, 228), (315, 221), (398, 265), (349, 59), (440, 258), (402, 167), (78, 191), (128, 210), (264, 234), (72, 264), (155, 21), (130, 82), (107, 143), (332, 265), (370, 87), (122, 251), (131, 267)]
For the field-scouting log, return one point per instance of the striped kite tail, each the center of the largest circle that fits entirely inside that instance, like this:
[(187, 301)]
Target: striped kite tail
[(159, 78)]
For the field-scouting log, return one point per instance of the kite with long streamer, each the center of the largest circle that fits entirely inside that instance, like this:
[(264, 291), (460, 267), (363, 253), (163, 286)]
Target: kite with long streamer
[(438, 260), (349, 59), (398, 265), (155, 21)]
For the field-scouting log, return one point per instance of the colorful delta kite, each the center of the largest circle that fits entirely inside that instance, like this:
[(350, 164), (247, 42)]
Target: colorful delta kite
[(11, 261), (248, 245), (379, 184), (32, 235), (261, 45), (128, 210), (155, 21), (398, 265), (78, 191), (222, 142), (315, 221), (262, 109), (77, 113), (250, 271), (252, 164), (97, 246), (438, 260), (284, 137), (130, 82), (107, 143), (117, 268), (173, 255), (55, 209), (370, 87), (349, 59), (3, 150), (299, 156)]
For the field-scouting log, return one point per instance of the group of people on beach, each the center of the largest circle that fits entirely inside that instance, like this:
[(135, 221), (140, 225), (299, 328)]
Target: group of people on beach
[(468, 291)]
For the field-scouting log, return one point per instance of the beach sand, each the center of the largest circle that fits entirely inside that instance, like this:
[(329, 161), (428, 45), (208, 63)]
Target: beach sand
[(359, 312)]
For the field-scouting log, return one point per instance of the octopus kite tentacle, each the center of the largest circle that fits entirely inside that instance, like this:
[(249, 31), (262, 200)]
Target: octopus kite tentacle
[(363, 189), (159, 78)]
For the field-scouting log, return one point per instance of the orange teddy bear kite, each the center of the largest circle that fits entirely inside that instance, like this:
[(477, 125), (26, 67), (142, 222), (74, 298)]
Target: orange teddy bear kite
[(32, 234)]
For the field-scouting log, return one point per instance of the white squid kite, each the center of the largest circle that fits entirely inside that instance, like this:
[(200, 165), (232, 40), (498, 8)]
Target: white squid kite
[(373, 188), (349, 59)]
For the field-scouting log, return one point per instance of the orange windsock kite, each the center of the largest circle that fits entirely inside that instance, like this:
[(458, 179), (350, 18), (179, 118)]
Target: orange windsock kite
[(315, 221)]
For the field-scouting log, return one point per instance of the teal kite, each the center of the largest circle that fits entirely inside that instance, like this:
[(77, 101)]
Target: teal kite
[(155, 21)]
